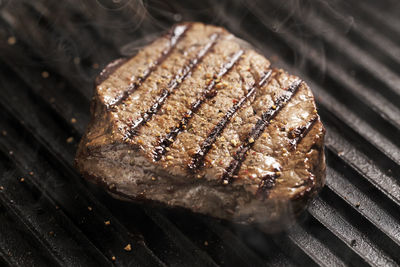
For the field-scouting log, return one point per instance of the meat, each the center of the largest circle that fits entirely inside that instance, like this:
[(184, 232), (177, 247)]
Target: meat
[(199, 120)]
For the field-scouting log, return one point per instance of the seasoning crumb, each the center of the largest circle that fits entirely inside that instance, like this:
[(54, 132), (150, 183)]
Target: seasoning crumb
[(113, 258), (234, 142), (315, 111), (4, 133), (89, 208), (77, 60), (1, 187), (11, 40), (251, 140), (73, 120), (153, 178), (111, 186), (225, 182), (107, 223), (128, 247), (22, 179), (273, 107), (140, 141), (358, 204), (169, 157), (45, 74), (205, 243), (11, 152)]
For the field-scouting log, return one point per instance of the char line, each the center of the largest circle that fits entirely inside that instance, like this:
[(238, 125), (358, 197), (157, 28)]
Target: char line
[(300, 132), (208, 93), (257, 130), (198, 158), (179, 78), (176, 34)]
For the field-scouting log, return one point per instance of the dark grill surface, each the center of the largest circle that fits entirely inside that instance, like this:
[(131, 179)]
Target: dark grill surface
[(50, 52)]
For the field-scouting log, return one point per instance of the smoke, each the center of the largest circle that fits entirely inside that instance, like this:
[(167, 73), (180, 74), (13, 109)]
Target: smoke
[(345, 21), (124, 26), (114, 4), (77, 38), (3, 3)]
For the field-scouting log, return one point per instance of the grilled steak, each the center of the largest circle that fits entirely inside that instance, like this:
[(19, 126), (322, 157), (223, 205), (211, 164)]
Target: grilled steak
[(199, 120)]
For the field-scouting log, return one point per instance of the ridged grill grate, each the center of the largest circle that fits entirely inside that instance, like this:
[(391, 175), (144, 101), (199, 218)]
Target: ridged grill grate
[(349, 54)]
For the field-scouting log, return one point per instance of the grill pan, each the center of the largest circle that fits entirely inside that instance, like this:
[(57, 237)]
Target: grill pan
[(50, 52)]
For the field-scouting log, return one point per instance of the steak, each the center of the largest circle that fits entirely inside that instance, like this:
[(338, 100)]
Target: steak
[(199, 120)]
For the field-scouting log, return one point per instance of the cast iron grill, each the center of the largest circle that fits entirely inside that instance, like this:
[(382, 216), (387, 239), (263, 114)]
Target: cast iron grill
[(347, 53)]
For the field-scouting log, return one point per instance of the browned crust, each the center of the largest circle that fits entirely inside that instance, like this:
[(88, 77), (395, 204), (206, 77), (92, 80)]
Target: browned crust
[(316, 180), (109, 69), (299, 201)]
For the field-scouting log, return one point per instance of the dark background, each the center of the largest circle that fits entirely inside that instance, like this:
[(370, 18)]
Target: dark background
[(51, 51)]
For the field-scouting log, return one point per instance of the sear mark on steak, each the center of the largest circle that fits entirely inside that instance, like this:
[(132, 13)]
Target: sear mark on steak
[(300, 132), (257, 130), (199, 120), (175, 35), (208, 93), (198, 158), (179, 78)]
